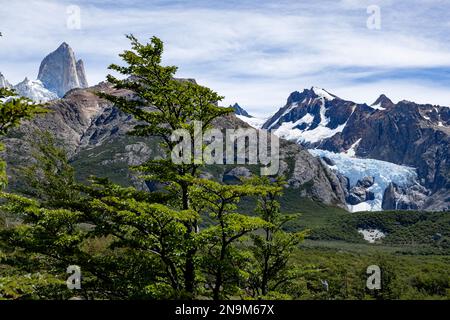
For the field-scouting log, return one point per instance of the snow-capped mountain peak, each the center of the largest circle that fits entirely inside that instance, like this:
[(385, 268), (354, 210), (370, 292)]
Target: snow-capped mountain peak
[(311, 116), (239, 111), (382, 103), (322, 93), (35, 90), (60, 71)]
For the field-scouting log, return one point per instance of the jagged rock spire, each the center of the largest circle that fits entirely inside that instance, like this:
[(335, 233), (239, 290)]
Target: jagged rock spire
[(60, 71)]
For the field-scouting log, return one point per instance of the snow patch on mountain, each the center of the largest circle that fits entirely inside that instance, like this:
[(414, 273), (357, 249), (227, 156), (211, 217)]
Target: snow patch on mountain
[(352, 150), (289, 109), (34, 90), (377, 107), (323, 93), (253, 121), (383, 172), (290, 130)]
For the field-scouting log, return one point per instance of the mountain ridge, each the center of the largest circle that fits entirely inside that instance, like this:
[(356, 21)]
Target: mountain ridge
[(94, 133), (403, 133)]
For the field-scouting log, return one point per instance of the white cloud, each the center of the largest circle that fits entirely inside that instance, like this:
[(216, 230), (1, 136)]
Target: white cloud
[(255, 55)]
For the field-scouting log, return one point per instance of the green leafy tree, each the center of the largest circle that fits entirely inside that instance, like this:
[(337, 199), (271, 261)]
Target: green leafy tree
[(118, 236), (13, 110), (49, 178), (164, 104), (273, 247), (220, 258)]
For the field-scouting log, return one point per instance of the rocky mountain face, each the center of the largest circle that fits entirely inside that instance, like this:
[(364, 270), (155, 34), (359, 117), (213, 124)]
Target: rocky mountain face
[(239, 111), (364, 157), (3, 82), (81, 74), (403, 133), (60, 71), (310, 117), (94, 133), (400, 198)]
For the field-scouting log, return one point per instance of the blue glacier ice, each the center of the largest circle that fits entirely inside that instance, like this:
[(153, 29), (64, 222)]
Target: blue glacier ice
[(356, 168)]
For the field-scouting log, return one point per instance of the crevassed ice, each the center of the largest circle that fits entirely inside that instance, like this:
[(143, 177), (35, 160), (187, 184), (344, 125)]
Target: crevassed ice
[(383, 172)]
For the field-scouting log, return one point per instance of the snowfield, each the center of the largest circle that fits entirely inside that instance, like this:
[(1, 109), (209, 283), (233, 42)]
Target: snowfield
[(377, 107), (34, 90), (372, 235), (323, 93), (356, 169), (252, 121), (352, 150), (288, 130)]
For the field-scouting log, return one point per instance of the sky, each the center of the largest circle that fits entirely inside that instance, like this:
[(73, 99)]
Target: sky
[(253, 52)]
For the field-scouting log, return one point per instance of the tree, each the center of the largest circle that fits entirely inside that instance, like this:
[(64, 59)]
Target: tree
[(165, 104), (13, 110), (272, 249), (49, 177), (115, 234), (220, 256)]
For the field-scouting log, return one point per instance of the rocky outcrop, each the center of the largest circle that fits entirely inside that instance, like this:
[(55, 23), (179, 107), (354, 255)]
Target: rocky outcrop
[(304, 173), (239, 111), (236, 174), (398, 198), (60, 72), (360, 193), (81, 74), (3, 82), (382, 103), (366, 182)]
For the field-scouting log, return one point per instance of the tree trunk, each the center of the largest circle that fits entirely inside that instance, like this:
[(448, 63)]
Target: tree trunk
[(189, 270)]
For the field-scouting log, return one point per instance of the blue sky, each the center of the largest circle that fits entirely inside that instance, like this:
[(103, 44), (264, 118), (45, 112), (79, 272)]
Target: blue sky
[(253, 52)]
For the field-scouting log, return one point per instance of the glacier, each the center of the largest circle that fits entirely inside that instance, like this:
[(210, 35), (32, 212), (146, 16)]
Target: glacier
[(383, 172)]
